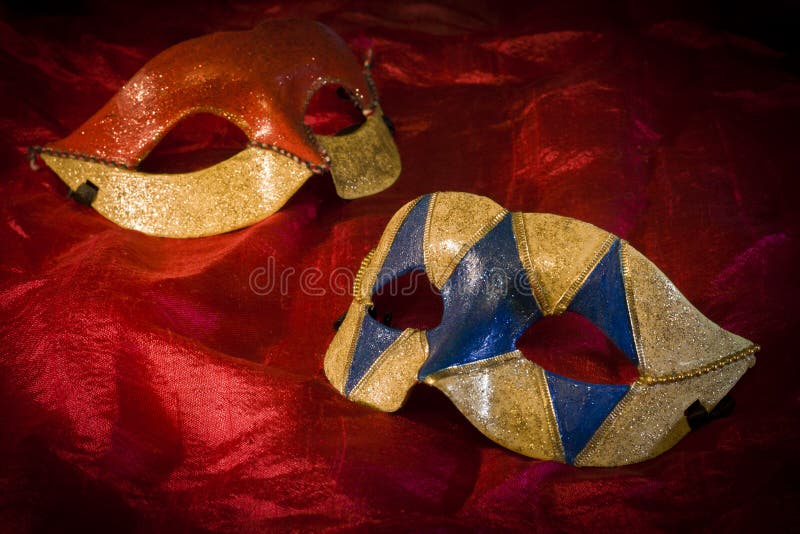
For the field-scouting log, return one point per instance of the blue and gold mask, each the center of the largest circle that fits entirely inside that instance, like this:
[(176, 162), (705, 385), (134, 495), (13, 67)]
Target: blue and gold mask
[(498, 273)]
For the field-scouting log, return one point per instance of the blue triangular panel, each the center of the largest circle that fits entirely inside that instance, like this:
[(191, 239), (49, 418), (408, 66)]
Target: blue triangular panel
[(580, 408), (601, 299), (486, 307), (404, 256), (373, 339)]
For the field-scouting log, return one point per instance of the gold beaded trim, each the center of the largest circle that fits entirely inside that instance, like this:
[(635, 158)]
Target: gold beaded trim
[(521, 237), (359, 277), (369, 61), (426, 231), (313, 167), (380, 252), (35, 151), (630, 301), (722, 362)]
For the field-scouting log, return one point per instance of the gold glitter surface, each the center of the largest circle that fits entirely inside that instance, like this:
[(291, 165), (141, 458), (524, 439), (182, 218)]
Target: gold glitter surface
[(558, 253), (650, 418), (455, 222), (386, 384), (369, 270), (365, 161), (507, 399), (232, 194), (340, 352), (672, 336)]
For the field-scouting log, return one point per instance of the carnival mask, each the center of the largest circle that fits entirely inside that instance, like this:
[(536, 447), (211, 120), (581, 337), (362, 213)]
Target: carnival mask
[(261, 80), (499, 272)]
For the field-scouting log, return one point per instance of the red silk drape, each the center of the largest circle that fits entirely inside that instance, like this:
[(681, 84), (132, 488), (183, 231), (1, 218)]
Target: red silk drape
[(146, 386)]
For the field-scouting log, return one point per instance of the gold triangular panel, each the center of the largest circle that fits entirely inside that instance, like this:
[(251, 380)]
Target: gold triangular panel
[(672, 336), (507, 399), (456, 221), (558, 254)]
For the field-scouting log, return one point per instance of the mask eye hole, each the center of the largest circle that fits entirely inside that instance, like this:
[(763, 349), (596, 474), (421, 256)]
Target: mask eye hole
[(331, 111), (408, 301), (196, 142), (570, 345)]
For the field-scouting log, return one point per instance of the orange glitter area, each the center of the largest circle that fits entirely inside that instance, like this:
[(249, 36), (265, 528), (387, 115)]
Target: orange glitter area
[(261, 80)]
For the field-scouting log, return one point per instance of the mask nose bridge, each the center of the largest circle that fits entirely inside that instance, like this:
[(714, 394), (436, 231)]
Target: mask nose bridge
[(485, 310)]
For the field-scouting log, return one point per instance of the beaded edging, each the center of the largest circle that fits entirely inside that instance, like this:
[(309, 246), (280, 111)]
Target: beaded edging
[(521, 237), (704, 369), (360, 275), (633, 317), (36, 150), (369, 61)]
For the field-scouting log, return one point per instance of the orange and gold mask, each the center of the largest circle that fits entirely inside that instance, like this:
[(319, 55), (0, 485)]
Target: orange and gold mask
[(262, 81)]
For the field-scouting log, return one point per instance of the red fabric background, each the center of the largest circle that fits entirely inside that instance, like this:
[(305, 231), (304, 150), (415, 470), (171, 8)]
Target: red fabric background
[(143, 385)]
